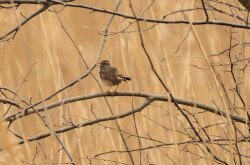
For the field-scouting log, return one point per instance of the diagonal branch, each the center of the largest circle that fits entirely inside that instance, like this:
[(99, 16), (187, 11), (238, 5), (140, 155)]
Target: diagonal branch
[(17, 27), (205, 10), (83, 124), (10, 102)]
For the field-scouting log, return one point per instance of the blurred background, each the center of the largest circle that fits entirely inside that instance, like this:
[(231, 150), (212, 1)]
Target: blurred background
[(43, 55)]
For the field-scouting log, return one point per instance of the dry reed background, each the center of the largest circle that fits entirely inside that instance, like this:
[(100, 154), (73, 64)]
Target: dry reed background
[(42, 40)]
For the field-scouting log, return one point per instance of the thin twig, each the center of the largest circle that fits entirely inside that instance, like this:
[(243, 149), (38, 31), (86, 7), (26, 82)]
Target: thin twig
[(205, 10), (17, 27)]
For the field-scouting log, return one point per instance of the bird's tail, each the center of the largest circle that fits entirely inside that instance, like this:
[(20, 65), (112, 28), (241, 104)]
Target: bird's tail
[(124, 78)]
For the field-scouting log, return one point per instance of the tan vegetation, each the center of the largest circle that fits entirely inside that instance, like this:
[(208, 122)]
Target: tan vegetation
[(43, 57)]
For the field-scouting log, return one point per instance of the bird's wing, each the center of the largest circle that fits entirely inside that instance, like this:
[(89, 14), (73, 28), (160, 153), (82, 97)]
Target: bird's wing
[(113, 71), (110, 73)]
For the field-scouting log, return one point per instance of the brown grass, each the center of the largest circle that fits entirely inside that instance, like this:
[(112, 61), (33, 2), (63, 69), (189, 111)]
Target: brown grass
[(58, 63)]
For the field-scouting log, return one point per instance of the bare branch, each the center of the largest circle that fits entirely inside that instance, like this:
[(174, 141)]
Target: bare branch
[(154, 97), (205, 10), (17, 27), (10, 102), (108, 118)]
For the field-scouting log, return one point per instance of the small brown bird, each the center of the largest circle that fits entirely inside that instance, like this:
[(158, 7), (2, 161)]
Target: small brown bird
[(110, 75)]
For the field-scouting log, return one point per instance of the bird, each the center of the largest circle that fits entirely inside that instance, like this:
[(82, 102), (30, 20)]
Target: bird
[(110, 75)]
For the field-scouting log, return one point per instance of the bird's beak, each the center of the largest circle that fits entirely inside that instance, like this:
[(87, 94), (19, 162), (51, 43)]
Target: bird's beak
[(98, 64)]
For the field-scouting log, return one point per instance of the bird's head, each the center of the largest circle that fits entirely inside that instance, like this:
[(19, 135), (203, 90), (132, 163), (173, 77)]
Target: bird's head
[(104, 63)]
